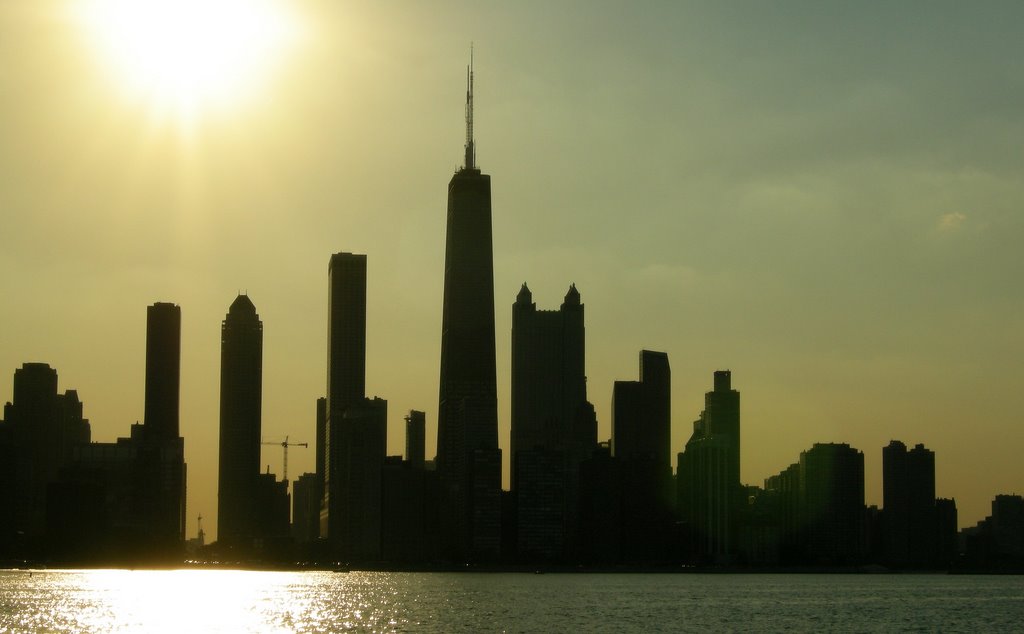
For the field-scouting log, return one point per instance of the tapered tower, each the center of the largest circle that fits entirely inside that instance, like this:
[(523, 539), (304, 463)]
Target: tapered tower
[(469, 461)]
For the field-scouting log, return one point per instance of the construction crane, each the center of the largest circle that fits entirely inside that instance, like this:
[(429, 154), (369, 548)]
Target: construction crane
[(287, 444), (200, 536)]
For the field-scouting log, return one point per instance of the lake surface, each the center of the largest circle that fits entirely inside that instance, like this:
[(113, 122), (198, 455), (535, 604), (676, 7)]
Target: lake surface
[(246, 601)]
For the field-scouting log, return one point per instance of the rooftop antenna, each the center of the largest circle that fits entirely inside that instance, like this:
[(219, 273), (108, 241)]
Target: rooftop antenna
[(470, 150)]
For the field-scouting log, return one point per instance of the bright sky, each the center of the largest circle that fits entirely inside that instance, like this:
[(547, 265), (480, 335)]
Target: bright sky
[(825, 198)]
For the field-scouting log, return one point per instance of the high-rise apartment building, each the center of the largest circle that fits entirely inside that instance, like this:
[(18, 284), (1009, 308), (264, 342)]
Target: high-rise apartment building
[(832, 513), (346, 380), (162, 454), (911, 531), (641, 426), (241, 390), (346, 331), (355, 429), (642, 413), (468, 457), (709, 495), (40, 429), (163, 370)]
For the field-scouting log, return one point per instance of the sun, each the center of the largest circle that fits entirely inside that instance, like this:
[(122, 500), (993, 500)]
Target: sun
[(185, 57)]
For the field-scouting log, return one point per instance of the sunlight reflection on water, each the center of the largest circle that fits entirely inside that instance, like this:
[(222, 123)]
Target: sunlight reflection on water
[(245, 601)]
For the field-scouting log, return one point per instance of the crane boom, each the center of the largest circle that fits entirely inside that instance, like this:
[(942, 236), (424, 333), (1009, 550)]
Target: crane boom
[(286, 444)]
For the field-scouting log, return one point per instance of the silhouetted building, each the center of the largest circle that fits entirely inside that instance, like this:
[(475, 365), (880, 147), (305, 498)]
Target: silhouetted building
[(125, 501), (642, 414), (321, 457), (832, 504), (163, 371), (360, 460), (819, 506), (8, 493), (553, 426), (549, 382), (409, 512), (641, 425), (273, 515), (92, 515), (785, 490), (911, 527), (946, 524), (468, 457), (241, 389), (346, 331), (162, 452), (306, 509), (710, 496), (38, 433), (355, 428), (415, 438), (758, 531), (997, 542), (600, 507), (409, 508)]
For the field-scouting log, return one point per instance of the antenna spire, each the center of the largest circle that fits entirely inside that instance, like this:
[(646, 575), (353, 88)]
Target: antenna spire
[(470, 149)]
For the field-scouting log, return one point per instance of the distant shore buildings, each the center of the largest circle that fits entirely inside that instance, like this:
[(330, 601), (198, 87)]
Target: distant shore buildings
[(70, 499)]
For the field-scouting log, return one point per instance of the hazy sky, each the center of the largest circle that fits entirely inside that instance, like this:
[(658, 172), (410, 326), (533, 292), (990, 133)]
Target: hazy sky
[(825, 198)]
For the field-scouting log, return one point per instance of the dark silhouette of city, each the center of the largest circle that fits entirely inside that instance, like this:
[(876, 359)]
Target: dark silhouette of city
[(575, 501)]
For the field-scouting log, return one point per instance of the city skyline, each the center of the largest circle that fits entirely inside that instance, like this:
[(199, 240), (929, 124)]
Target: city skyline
[(836, 229)]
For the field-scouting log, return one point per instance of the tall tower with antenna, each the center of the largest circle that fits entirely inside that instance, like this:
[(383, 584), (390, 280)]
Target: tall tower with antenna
[(469, 460), (470, 149)]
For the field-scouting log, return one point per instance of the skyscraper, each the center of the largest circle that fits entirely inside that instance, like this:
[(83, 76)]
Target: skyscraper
[(163, 370), (346, 378), (549, 383), (469, 461), (911, 531), (241, 389), (355, 428), (346, 332), (642, 413), (360, 458), (708, 477), (40, 429), (551, 432), (641, 426), (162, 454), (832, 503)]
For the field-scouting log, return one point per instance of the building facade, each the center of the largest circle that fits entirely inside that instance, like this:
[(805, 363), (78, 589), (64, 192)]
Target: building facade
[(162, 451), (40, 430), (641, 427), (709, 494), (468, 457), (346, 383), (241, 398), (355, 429), (551, 432), (415, 438), (912, 532)]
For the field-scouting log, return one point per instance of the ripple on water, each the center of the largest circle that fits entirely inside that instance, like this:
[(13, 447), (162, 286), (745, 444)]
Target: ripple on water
[(245, 601)]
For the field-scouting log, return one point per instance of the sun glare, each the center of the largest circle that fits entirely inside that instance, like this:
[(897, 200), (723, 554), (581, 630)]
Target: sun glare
[(183, 57)]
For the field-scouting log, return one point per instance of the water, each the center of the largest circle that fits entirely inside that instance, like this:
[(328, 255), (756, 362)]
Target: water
[(243, 601)]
